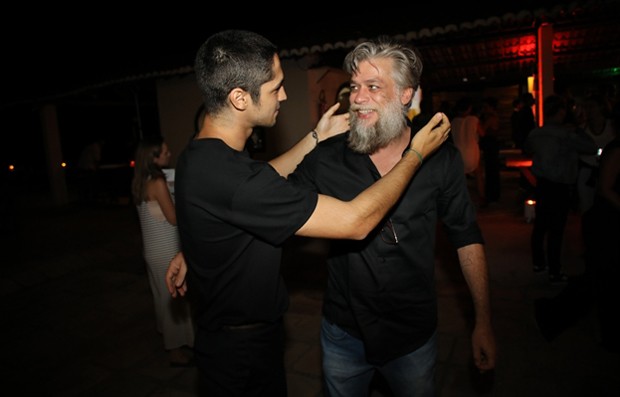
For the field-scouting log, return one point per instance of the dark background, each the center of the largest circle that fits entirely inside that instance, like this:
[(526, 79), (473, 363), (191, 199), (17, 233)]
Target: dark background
[(55, 51), (50, 52)]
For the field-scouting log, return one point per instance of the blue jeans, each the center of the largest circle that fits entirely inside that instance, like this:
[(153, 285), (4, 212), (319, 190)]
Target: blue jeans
[(346, 372)]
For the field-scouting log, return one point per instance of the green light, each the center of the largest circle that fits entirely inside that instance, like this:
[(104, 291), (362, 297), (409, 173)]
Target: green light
[(609, 72)]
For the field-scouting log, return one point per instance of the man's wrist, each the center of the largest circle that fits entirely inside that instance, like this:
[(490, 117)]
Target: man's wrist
[(412, 150), (315, 135)]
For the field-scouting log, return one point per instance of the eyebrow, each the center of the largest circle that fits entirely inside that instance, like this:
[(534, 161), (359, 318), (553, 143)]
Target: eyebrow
[(281, 83), (372, 81)]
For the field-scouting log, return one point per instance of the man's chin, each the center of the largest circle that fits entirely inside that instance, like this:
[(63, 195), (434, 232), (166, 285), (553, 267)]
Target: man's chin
[(363, 125)]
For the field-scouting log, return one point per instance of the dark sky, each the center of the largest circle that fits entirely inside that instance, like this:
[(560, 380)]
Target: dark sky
[(50, 50), (58, 50)]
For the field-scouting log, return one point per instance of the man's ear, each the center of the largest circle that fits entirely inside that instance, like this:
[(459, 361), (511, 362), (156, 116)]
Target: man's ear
[(239, 98), (406, 96)]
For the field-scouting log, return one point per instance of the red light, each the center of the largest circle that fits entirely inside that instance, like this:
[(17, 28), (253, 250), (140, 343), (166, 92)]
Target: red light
[(519, 163), (11, 167), (132, 163)]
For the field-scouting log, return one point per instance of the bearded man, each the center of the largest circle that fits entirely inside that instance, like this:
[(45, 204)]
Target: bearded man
[(380, 305)]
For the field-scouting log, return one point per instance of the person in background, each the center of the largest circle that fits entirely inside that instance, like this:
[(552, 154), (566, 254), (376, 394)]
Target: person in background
[(595, 289), (601, 230), (342, 97), (235, 212), (466, 136), (517, 104), (160, 238), (555, 149), (489, 145), (522, 119), (600, 127), (87, 167), (380, 303)]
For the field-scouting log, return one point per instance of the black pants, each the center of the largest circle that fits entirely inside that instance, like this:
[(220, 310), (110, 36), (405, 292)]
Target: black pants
[(553, 201), (242, 362), (596, 288)]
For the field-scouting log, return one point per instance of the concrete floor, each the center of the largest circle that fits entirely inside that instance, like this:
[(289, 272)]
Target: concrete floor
[(77, 313)]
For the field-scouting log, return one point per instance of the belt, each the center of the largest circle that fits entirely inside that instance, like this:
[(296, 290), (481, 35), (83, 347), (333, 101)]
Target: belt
[(241, 327)]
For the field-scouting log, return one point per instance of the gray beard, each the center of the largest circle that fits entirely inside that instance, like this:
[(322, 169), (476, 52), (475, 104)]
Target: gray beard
[(366, 139)]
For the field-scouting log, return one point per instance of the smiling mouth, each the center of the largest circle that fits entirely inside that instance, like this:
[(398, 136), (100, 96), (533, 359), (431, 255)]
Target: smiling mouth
[(364, 113)]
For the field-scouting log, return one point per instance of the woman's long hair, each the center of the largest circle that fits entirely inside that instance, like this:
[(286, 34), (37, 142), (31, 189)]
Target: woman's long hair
[(145, 168)]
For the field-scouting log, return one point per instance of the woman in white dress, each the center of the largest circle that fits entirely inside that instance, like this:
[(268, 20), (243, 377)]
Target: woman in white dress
[(155, 205)]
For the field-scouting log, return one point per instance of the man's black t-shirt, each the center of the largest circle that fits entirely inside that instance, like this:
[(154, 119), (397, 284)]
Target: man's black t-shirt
[(233, 214)]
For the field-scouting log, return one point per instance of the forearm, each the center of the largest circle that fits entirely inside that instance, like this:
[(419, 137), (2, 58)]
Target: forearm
[(354, 219), (373, 204), (328, 126), (333, 218), (288, 161), (475, 271)]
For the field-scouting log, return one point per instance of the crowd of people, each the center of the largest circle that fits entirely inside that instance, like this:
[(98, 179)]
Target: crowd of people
[(555, 148), (591, 150)]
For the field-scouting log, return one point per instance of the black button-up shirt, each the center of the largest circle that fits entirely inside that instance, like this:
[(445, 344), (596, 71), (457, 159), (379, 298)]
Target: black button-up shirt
[(381, 292)]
